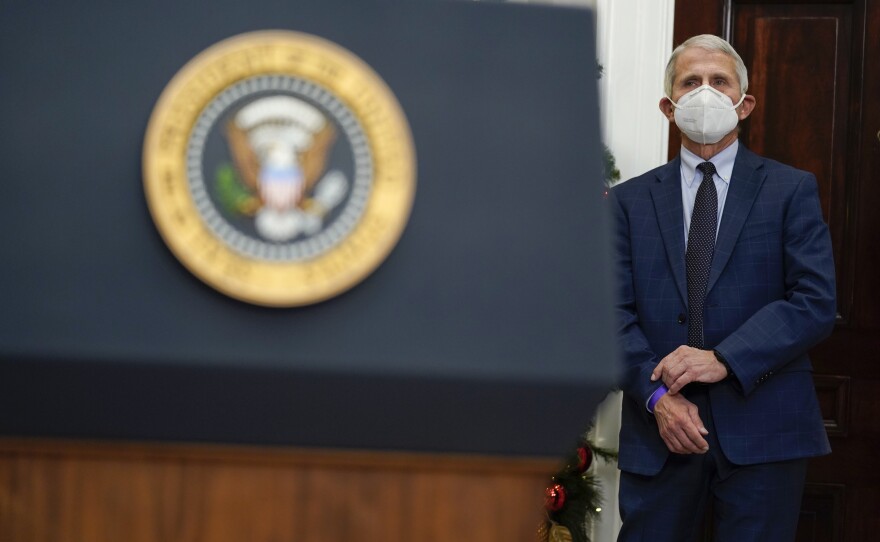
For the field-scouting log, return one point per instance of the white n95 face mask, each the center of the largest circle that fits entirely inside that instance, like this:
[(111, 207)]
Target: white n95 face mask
[(706, 115)]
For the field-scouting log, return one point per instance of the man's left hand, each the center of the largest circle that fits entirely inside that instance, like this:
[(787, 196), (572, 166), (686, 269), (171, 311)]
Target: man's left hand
[(685, 365)]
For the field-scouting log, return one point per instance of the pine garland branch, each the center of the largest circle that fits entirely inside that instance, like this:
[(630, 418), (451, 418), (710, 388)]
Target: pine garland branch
[(574, 496)]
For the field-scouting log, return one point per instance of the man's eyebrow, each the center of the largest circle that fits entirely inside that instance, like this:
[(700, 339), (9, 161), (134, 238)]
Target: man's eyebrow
[(715, 75)]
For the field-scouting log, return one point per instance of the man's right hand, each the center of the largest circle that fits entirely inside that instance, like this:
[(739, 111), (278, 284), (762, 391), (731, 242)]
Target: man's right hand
[(680, 425)]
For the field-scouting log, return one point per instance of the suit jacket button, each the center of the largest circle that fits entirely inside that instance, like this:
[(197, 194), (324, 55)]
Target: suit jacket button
[(681, 319)]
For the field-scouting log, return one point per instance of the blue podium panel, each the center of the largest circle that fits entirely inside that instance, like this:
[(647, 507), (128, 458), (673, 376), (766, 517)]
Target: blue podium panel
[(487, 329)]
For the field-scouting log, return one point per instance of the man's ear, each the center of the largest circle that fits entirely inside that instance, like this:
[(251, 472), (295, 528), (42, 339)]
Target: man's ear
[(668, 109), (746, 107)]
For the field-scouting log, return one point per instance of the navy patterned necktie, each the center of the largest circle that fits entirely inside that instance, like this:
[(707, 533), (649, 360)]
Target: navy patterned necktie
[(701, 246)]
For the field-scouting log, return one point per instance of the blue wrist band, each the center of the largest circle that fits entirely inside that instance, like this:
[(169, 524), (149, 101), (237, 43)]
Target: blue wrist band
[(661, 391)]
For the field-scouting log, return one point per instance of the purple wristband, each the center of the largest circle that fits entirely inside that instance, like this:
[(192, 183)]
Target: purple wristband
[(661, 391)]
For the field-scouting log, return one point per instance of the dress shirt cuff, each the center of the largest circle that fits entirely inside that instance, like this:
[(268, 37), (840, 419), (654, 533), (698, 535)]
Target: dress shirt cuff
[(723, 361)]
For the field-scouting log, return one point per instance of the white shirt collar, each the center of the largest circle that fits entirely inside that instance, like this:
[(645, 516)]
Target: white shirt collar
[(723, 163)]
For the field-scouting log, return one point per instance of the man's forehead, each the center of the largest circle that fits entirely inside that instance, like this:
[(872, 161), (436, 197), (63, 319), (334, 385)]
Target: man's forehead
[(698, 55), (698, 61)]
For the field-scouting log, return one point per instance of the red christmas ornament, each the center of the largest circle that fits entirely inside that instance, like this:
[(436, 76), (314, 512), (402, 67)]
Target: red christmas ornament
[(585, 459), (554, 498)]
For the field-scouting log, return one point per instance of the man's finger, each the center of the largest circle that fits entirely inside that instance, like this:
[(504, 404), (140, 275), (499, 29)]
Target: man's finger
[(676, 384), (689, 432), (694, 440), (658, 370), (664, 365), (695, 418), (686, 445), (674, 444)]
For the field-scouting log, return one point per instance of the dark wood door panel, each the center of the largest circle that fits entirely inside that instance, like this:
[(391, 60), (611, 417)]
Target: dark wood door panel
[(822, 513), (850, 350), (866, 304), (833, 392), (800, 60), (799, 70)]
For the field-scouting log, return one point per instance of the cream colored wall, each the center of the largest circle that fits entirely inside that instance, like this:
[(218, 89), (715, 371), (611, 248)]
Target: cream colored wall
[(634, 42)]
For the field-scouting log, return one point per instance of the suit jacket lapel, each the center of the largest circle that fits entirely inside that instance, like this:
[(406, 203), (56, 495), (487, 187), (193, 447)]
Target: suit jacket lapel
[(666, 193), (746, 180)]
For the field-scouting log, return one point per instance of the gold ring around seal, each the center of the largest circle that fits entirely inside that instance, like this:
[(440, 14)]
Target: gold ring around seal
[(268, 282)]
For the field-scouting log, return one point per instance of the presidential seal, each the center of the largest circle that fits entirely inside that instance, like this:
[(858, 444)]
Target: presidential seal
[(279, 168)]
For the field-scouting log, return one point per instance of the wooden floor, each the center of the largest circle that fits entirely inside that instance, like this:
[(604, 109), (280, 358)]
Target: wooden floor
[(63, 491)]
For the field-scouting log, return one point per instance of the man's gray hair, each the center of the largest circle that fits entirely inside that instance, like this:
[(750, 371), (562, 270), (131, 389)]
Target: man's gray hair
[(709, 43)]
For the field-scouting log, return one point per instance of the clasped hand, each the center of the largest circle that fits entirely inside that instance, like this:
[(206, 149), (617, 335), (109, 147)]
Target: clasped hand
[(687, 364), (680, 425), (677, 418)]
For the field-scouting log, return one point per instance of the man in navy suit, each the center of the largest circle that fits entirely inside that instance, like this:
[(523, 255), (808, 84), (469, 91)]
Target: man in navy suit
[(727, 280)]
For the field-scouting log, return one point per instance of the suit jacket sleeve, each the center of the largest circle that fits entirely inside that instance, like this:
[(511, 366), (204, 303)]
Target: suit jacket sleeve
[(785, 329), (639, 359)]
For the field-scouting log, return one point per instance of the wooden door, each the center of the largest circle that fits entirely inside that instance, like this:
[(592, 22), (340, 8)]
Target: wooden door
[(815, 71)]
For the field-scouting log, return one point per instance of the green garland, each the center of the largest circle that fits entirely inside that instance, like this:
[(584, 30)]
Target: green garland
[(574, 496), (610, 173)]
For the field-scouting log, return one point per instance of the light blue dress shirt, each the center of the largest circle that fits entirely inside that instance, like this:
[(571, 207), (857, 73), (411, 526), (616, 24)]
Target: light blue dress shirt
[(690, 181)]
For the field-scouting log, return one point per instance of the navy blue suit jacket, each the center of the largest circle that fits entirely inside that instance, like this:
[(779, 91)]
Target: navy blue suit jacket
[(770, 297)]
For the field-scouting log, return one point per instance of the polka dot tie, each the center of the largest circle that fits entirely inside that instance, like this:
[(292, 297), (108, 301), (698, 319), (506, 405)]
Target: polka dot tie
[(701, 246)]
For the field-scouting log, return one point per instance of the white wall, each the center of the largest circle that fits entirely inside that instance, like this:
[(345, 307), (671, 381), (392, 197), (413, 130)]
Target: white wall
[(634, 42)]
